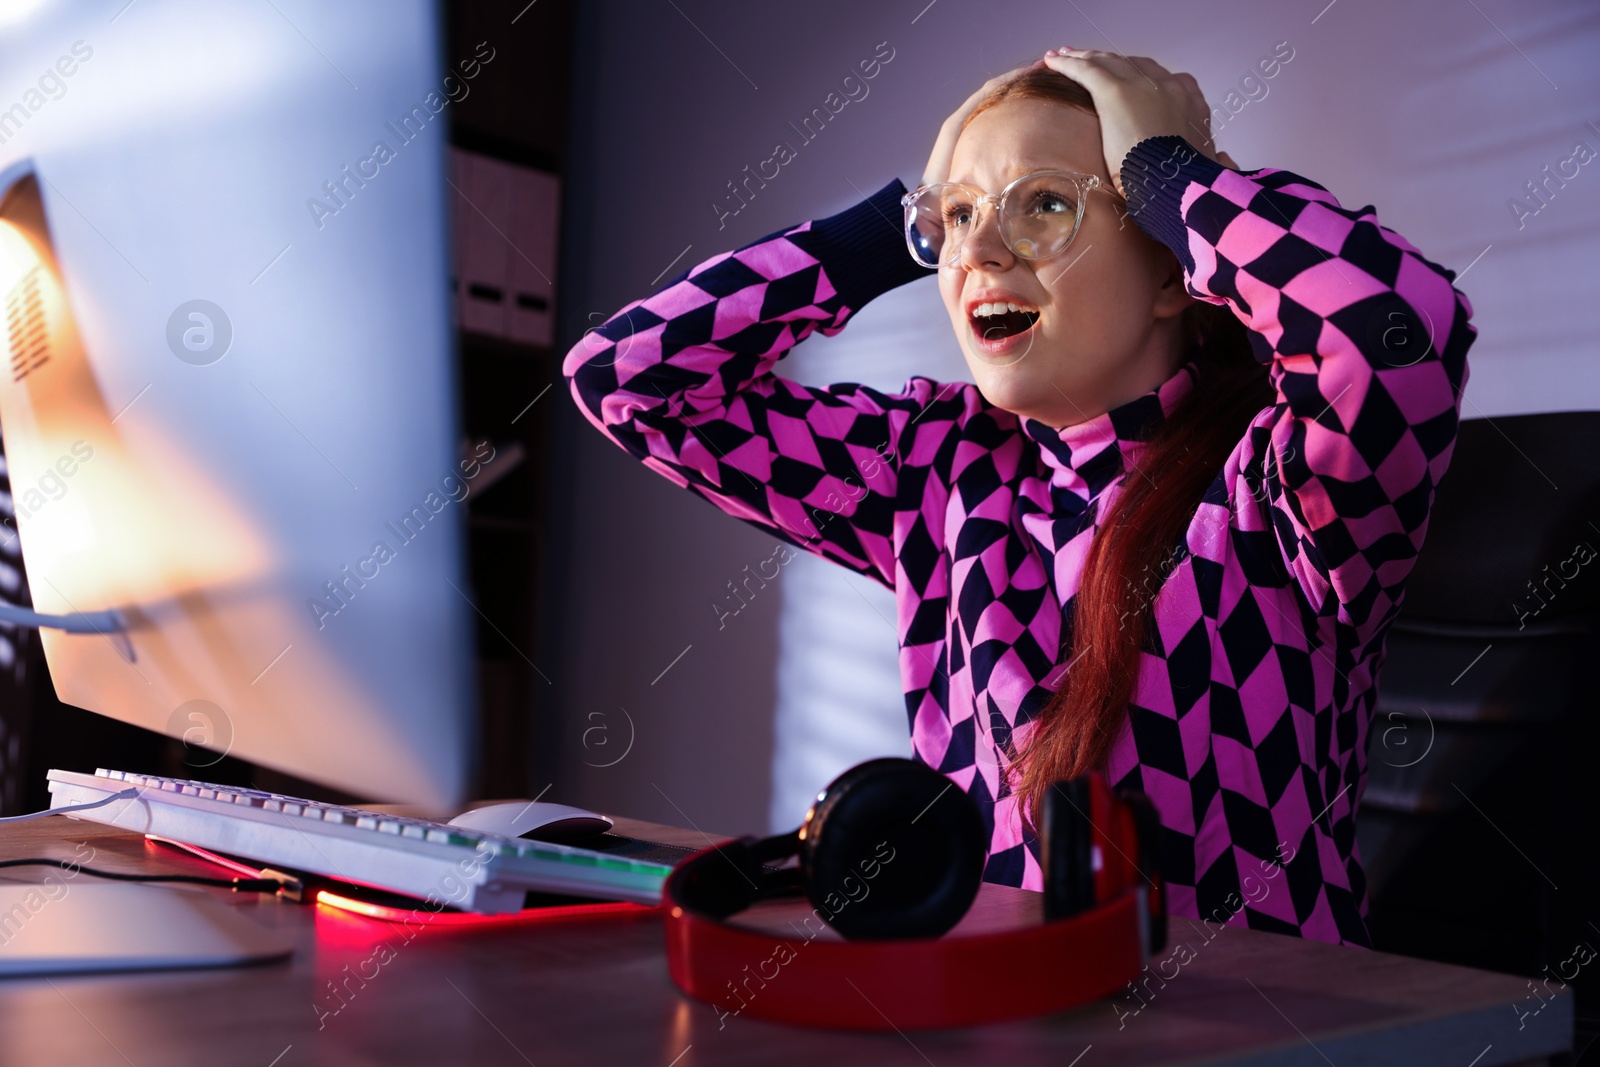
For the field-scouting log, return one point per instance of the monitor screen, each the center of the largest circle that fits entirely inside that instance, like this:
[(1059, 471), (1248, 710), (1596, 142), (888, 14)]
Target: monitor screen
[(230, 412)]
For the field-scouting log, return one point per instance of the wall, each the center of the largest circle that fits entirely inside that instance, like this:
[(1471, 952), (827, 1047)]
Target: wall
[(1438, 113)]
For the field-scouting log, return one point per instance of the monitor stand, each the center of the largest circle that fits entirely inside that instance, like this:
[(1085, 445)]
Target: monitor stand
[(58, 927)]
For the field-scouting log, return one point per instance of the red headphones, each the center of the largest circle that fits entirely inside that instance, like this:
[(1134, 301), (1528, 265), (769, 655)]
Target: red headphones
[(891, 856)]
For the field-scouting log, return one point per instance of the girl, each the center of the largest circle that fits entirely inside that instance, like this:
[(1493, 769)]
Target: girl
[(1165, 531)]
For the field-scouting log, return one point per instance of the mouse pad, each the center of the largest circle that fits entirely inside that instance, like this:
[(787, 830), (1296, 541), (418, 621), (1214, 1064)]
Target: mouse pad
[(621, 845), (57, 928), (640, 849)]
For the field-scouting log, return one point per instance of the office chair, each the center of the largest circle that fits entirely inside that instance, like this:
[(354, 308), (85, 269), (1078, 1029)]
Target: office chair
[(1478, 824)]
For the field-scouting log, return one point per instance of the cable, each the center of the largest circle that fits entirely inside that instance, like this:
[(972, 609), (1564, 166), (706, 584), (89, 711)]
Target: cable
[(270, 881), (126, 794), (238, 885), (78, 622)]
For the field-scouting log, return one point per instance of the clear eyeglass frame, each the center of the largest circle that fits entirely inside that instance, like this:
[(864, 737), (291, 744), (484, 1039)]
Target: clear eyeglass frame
[(1083, 183)]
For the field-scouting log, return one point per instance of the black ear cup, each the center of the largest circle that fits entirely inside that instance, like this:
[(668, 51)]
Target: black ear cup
[(1149, 861), (713, 891), (1066, 839), (892, 849), (742, 878)]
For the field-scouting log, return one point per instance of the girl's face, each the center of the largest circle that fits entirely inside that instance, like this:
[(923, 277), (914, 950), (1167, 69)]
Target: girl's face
[(1108, 326)]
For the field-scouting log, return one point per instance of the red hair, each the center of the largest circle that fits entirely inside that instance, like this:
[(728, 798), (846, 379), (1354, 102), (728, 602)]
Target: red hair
[(1137, 542)]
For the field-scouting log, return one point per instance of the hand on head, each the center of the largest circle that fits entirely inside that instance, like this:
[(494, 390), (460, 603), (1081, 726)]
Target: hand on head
[(1136, 98)]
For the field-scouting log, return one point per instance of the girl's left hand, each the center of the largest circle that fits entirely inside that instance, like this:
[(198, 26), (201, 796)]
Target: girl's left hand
[(1136, 97)]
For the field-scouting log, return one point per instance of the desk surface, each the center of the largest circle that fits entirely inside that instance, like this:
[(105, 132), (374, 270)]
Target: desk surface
[(595, 990)]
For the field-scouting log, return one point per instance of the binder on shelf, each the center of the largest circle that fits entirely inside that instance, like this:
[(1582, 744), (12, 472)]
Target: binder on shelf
[(506, 223)]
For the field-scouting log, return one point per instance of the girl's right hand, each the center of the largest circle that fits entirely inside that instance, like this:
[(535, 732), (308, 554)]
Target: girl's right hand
[(944, 148)]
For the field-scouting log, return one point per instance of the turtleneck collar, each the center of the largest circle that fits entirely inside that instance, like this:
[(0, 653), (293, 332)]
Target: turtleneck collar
[(1085, 457)]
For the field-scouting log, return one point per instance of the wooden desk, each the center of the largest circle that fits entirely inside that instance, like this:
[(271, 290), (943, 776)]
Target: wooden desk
[(596, 991)]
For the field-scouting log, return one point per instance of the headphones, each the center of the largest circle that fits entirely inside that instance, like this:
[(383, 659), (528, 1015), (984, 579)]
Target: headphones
[(891, 855)]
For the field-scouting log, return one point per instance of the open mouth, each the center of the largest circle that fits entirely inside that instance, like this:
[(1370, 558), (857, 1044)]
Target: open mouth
[(997, 322)]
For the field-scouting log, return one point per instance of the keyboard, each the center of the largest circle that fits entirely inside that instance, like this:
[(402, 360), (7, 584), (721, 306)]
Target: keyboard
[(431, 861)]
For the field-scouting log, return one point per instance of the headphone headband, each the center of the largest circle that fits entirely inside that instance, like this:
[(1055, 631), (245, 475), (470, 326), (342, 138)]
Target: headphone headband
[(917, 984)]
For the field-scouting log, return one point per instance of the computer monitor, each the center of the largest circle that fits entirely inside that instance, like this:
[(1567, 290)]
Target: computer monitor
[(230, 413)]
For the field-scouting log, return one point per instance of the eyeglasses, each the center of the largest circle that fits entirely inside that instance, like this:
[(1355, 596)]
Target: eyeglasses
[(1039, 215)]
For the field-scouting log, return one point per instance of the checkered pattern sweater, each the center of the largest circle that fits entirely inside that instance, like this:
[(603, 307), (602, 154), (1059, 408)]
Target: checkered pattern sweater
[(1248, 725)]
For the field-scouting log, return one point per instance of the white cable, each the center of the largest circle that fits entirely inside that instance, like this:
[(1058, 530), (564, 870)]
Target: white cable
[(78, 622), (126, 794)]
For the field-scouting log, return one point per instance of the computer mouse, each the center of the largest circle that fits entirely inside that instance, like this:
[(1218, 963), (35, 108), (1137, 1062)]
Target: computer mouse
[(533, 819)]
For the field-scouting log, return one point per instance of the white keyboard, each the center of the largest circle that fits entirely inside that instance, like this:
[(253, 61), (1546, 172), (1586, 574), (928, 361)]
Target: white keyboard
[(431, 861)]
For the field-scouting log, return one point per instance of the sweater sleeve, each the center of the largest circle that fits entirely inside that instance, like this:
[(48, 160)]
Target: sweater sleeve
[(1367, 344), (684, 381)]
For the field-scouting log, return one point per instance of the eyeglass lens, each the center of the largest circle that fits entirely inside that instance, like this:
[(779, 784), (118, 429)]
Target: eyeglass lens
[(1038, 218)]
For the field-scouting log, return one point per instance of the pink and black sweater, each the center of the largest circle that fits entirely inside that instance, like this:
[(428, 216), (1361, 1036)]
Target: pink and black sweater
[(1248, 726)]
